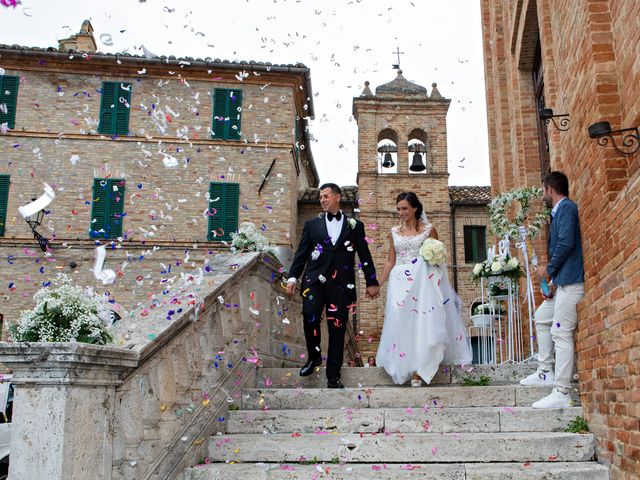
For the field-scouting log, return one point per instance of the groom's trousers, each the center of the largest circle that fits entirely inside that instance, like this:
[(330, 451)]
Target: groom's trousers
[(556, 320), (330, 297)]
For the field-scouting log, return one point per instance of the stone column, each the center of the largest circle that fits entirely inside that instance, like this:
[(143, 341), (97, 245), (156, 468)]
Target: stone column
[(63, 415)]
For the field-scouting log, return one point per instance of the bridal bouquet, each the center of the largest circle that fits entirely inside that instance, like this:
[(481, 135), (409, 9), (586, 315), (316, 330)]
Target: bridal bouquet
[(64, 312), (433, 252)]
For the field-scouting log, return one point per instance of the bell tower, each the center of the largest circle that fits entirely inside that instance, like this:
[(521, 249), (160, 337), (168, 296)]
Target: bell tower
[(402, 146)]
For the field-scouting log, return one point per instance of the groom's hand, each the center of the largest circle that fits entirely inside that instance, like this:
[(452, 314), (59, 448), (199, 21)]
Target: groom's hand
[(373, 291), (291, 288)]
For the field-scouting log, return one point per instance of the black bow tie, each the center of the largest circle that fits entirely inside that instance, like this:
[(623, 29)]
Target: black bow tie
[(337, 216)]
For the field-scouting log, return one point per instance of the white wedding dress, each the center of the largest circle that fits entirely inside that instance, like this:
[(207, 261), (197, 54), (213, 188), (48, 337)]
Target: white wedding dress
[(422, 325)]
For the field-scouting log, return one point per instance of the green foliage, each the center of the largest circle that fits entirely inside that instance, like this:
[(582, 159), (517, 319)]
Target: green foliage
[(483, 381), (578, 425)]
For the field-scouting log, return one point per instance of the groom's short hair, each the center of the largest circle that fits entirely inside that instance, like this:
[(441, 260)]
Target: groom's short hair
[(334, 188), (558, 181)]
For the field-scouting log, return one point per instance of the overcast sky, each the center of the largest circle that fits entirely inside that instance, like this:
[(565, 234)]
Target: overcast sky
[(344, 42)]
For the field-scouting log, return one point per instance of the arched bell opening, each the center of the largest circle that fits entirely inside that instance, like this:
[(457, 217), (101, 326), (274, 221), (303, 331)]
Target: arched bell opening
[(417, 152), (387, 156)]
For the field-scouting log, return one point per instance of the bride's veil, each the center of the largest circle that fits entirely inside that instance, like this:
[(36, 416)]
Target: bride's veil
[(424, 218)]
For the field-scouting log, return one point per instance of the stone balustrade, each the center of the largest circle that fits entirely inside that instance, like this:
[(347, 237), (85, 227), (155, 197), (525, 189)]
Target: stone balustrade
[(144, 409)]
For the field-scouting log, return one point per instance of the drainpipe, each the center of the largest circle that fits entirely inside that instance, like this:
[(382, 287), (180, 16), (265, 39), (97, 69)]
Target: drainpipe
[(454, 264)]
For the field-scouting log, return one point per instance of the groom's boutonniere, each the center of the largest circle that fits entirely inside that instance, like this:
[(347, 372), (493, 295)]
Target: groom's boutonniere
[(316, 252), (352, 223)]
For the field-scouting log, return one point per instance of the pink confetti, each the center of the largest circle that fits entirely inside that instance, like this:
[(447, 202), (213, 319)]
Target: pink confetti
[(434, 450)]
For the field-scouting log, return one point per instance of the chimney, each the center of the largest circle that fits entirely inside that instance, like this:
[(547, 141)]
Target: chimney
[(82, 41)]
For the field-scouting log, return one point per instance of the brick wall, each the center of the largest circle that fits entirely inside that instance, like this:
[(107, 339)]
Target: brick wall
[(57, 115), (589, 51)]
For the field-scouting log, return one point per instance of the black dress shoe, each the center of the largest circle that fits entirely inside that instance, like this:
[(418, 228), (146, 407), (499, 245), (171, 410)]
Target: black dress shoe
[(334, 383), (309, 367)]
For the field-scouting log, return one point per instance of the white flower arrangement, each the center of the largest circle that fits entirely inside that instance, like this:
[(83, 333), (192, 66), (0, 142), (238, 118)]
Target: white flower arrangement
[(498, 265), (433, 252), (64, 312), (249, 239), (490, 308), (500, 224), (352, 223)]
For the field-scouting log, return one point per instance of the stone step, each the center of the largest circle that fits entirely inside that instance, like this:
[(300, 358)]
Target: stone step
[(403, 448), (385, 397), (375, 376), (406, 420), (469, 471)]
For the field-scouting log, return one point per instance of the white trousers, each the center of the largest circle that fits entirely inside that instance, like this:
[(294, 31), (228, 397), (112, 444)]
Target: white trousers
[(556, 320)]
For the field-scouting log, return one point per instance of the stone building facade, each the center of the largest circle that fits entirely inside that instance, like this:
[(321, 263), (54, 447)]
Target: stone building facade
[(402, 146), (579, 58), (177, 170)]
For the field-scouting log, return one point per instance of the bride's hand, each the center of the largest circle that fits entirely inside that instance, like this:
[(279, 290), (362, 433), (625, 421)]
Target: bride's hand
[(373, 292)]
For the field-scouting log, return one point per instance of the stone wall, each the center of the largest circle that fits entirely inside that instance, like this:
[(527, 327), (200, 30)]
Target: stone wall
[(590, 57), (179, 375)]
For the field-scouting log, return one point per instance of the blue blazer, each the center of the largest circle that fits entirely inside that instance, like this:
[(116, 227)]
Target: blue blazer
[(565, 265)]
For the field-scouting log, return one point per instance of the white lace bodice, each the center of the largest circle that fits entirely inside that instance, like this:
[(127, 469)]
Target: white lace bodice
[(407, 247)]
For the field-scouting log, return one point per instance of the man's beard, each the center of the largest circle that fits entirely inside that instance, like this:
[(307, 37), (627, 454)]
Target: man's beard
[(547, 202)]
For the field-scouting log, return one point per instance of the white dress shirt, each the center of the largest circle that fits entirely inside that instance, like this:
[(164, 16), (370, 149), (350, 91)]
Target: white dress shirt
[(334, 227), (555, 207)]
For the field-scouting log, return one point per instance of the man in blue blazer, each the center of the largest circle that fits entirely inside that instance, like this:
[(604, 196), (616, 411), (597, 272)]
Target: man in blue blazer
[(556, 319)]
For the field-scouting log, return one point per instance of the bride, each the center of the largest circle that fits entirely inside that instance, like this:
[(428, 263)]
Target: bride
[(422, 324)]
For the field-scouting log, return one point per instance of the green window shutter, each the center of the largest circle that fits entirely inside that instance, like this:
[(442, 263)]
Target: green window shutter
[(115, 105), (226, 122), (227, 196), (123, 108), (116, 208), (216, 210), (4, 197), (220, 125), (99, 208), (232, 199), (235, 104), (107, 208), (9, 98), (108, 108)]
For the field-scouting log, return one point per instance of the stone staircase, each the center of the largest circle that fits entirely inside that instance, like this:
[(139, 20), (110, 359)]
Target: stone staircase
[(293, 428)]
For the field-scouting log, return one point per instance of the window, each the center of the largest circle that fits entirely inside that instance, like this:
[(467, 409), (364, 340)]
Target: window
[(224, 200), (227, 108), (4, 196), (475, 244), (114, 108), (8, 99), (107, 208)]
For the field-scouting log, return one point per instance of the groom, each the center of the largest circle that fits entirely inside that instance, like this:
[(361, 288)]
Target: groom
[(327, 249)]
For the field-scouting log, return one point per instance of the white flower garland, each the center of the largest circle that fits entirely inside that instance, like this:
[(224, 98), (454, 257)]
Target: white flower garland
[(500, 224)]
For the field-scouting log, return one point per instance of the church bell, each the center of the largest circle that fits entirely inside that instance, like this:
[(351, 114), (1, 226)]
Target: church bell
[(417, 165), (388, 161)]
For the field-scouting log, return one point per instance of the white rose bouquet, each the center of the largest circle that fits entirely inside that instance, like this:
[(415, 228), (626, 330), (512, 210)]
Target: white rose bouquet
[(64, 312), (433, 252)]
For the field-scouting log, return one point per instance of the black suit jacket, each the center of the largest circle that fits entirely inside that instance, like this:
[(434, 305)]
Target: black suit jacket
[(335, 259)]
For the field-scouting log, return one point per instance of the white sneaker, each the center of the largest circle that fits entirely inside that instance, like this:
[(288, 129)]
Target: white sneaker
[(556, 399), (538, 379)]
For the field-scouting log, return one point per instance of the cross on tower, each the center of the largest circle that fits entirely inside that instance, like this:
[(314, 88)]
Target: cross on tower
[(396, 66)]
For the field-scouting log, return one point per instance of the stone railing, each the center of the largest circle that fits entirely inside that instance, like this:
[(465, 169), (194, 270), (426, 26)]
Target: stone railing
[(144, 409)]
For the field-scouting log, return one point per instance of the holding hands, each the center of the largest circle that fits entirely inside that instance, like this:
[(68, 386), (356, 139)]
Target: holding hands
[(373, 292)]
